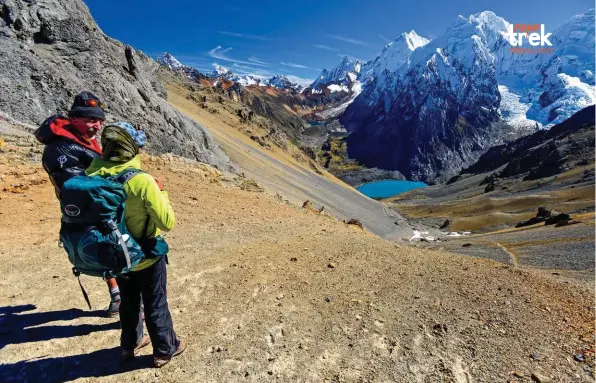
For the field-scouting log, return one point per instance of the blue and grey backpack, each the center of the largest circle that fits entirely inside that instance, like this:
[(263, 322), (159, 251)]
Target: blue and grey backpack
[(93, 230)]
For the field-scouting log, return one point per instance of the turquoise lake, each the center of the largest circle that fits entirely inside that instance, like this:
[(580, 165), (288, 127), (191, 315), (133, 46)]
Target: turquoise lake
[(388, 188)]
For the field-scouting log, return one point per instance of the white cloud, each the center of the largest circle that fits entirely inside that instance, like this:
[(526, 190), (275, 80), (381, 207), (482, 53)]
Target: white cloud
[(348, 40), (248, 36), (220, 53), (256, 60), (325, 47), (293, 65)]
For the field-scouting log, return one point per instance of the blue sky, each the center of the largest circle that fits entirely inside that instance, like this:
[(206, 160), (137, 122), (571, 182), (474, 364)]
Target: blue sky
[(296, 38)]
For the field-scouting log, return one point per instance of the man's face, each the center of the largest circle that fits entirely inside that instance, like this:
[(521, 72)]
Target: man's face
[(88, 126)]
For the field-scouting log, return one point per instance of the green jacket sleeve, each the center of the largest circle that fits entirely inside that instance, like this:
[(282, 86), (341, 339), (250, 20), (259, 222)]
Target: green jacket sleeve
[(158, 205)]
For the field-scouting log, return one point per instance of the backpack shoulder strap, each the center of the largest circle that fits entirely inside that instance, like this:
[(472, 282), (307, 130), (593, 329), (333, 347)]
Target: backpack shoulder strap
[(124, 176)]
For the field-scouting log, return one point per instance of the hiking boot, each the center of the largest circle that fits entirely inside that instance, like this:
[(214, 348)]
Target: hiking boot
[(160, 361), (129, 354), (113, 309)]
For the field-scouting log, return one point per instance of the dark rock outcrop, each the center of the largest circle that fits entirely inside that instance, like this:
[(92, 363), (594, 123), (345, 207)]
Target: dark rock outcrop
[(51, 50), (553, 220), (545, 153), (362, 176), (548, 217)]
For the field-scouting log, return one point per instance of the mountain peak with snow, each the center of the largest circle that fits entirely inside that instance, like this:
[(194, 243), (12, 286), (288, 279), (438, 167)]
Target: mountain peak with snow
[(222, 71), (342, 77), (169, 61), (413, 40)]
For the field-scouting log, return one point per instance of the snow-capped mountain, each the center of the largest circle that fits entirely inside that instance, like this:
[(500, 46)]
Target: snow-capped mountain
[(282, 82), (169, 61), (395, 56), (247, 80), (222, 72), (341, 78), (429, 108)]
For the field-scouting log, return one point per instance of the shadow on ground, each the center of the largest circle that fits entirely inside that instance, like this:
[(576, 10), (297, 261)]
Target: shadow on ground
[(17, 326), (64, 369)]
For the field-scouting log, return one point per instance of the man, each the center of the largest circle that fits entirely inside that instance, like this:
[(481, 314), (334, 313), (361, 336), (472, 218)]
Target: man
[(70, 146), (148, 211)]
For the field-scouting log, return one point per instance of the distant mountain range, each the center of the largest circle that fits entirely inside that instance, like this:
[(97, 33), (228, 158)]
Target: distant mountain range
[(429, 108), (220, 72)]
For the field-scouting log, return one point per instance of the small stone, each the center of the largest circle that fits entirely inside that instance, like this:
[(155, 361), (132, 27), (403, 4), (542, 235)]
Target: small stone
[(293, 259), (331, 265), (579, 357), (535, 356), (270, 372), (517, 374), (156, 373), (539, 378), (328, 299)]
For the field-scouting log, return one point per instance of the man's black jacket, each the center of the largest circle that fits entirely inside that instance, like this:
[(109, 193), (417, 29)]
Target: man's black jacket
[(66, 154)]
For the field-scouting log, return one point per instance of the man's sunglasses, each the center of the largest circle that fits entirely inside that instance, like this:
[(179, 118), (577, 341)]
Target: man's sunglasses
[(94, 103)]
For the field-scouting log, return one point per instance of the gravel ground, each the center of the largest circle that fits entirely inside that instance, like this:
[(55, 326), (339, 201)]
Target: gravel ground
[(569, 256), (265, 291)]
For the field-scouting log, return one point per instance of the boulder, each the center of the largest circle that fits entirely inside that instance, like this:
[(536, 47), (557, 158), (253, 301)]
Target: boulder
[(566, 223), (355, 222), (543, 212), (553, 220), (445, 224), (531, 221)]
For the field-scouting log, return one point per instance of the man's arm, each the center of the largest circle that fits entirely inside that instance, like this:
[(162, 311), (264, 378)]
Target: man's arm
[(61, 163)]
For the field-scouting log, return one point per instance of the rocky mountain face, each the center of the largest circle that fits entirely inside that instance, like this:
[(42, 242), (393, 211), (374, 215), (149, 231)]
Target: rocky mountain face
[(51, 50), (545, 153), (434, 107)]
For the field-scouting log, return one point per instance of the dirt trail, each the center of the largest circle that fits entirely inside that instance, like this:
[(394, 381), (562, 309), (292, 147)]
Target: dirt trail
[(267, 291)]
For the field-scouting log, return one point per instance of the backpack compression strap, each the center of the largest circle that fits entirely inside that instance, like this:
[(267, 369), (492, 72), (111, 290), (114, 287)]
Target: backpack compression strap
[(124, 176)]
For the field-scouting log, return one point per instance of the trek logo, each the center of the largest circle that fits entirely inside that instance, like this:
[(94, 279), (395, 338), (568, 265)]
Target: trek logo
[(533, 34)]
